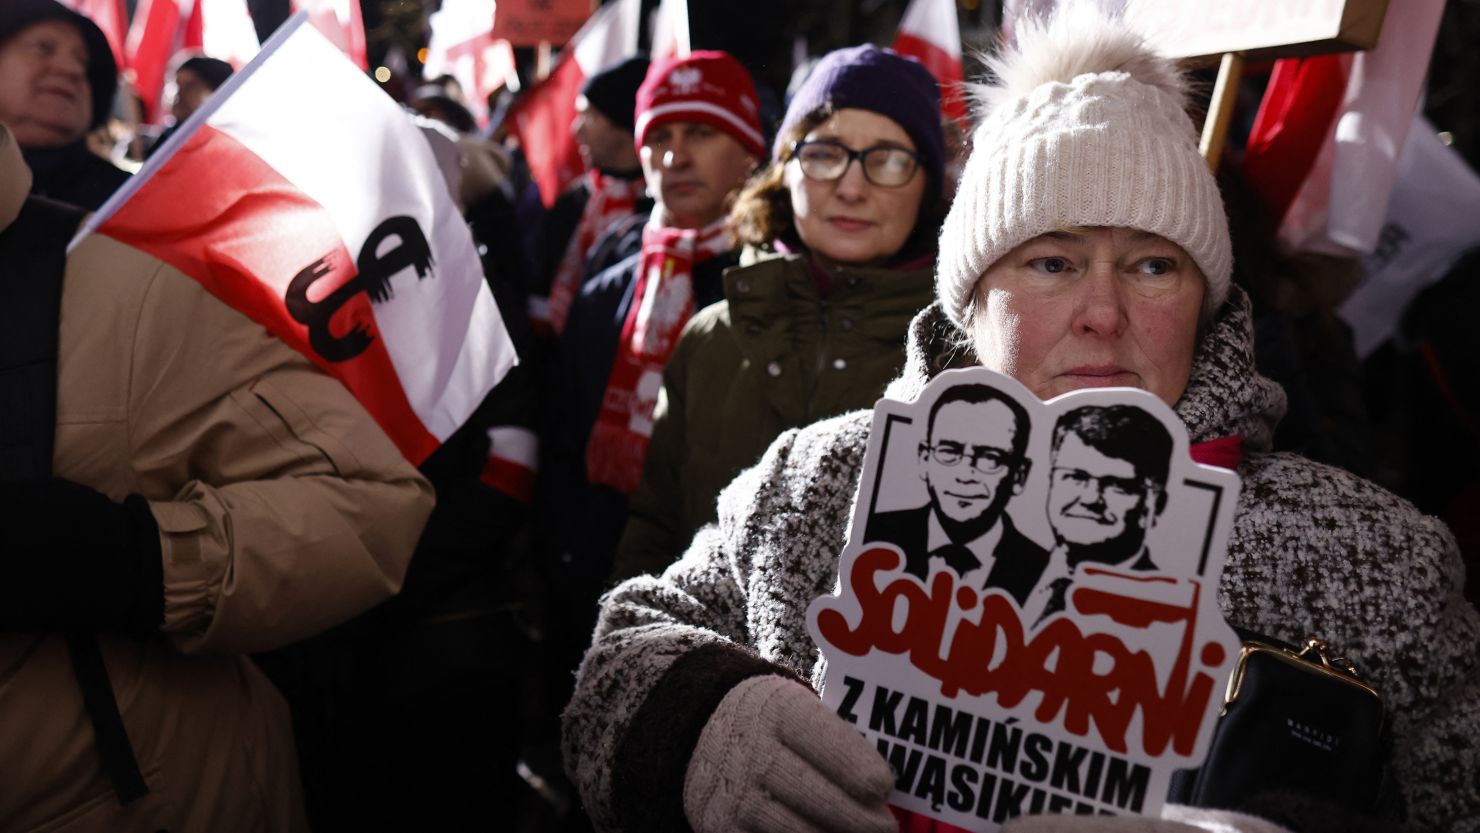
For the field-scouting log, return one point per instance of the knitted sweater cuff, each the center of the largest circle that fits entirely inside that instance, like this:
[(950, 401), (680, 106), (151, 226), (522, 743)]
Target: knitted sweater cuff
[(652, 759)]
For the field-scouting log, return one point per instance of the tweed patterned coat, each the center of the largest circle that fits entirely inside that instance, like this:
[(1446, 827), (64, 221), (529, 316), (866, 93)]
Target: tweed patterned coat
[(1314, 550)]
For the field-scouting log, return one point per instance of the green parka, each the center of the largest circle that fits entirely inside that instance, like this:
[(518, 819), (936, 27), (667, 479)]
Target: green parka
[(775, 354)]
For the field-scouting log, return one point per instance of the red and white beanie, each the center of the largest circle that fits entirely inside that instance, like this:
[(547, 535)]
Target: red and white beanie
[(705, 87)]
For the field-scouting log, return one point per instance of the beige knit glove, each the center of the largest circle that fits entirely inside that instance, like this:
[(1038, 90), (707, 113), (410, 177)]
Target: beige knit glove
[(774, 759), (1175, 818)]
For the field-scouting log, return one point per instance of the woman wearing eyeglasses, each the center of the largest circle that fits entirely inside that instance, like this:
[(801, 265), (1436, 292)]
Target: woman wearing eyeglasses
[(840, 250)]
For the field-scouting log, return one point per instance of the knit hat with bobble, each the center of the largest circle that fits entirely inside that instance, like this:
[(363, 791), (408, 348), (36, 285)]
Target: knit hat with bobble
[(1085, 126)]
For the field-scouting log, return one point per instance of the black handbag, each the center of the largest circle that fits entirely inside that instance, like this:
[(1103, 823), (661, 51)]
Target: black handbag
[(1295, 722)]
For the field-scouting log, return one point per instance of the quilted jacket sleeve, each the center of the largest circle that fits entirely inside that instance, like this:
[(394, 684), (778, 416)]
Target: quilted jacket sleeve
[(283, 508)]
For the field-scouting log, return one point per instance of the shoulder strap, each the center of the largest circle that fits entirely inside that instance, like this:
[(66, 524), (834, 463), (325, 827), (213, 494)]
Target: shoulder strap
[(33, 261)]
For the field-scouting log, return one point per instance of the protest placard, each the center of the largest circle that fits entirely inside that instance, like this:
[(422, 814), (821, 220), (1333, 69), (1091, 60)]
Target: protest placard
[(1026, 619)]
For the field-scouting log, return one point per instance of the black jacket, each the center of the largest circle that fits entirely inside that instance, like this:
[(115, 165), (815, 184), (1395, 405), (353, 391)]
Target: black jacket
[(73, 175), (1019, 561)]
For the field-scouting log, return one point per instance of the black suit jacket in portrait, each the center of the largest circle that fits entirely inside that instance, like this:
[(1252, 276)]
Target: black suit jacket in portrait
[(1019, 561)]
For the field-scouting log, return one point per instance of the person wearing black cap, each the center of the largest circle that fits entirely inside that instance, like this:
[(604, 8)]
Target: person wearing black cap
[(435, 101), (57, 79), (195, 80), (608, 194)]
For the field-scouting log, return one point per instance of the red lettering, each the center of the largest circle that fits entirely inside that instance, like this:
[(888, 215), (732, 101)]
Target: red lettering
[(994, 656)]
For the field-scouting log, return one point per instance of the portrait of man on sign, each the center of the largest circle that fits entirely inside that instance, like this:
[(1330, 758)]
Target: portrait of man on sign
[(973, 460), (1107, 487)]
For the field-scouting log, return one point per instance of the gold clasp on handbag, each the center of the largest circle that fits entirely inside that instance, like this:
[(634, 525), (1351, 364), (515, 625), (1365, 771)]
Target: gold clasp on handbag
[(1317, 647), (1312, 657)]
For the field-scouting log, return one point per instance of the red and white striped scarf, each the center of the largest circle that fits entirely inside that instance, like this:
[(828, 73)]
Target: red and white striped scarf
[(662, 302), (612, 198)]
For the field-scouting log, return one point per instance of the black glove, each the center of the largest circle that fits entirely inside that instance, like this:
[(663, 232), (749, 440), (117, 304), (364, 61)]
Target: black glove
[(72, 559)]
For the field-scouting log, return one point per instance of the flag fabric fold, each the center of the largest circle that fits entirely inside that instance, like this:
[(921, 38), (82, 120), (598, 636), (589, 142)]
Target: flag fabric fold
[(1341, 198), (303, 196), (1431, 223), (930, 33)]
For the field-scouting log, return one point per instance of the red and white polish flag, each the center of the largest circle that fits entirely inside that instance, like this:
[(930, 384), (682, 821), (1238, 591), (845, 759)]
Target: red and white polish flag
[(542, 117), (303, 196), (1325, 146), (930, 33)]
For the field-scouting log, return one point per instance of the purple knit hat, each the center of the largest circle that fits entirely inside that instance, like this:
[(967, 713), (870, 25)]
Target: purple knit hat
[(881, 80)]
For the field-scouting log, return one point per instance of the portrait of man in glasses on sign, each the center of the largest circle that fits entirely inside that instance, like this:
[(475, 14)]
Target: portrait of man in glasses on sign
[(973, 460), (1106, 488)]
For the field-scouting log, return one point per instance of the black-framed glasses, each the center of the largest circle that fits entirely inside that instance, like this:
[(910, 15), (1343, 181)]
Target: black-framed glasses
[(1121, 487), (984, 460), (826, 161)]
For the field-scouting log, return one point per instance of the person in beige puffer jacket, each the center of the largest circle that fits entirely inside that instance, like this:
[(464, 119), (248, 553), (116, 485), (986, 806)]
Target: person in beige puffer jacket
[(246, 500)]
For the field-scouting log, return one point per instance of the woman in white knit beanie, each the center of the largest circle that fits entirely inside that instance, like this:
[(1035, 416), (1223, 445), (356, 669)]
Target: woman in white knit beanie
[(1087, 240), (1087, 247)]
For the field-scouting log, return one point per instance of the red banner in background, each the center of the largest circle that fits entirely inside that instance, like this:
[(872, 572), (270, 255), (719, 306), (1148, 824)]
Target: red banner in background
[(527, 22), (541, 119)]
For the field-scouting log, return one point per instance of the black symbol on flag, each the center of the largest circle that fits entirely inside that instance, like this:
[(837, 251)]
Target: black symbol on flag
[(374, 278)]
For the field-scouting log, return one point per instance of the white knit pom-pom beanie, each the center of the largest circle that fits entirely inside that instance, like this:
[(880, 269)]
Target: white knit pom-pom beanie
[(1085, 126)]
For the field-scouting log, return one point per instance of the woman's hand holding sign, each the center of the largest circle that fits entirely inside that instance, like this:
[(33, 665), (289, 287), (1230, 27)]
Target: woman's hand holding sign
[(773, 758)]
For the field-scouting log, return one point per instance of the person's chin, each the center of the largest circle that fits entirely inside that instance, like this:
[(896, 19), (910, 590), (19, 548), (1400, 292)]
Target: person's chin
[(966, 512)]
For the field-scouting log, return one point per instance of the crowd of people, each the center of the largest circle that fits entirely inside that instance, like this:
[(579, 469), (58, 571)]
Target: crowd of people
[(229, 603)]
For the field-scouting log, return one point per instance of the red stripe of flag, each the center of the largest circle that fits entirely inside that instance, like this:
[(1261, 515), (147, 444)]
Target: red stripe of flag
[(946, 69), (513, 479), (1296, 117)]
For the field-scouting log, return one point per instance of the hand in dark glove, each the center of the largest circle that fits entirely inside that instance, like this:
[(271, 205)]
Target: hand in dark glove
[(72, 559)]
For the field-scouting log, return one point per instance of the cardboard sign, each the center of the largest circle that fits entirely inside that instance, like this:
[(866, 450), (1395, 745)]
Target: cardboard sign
[(1262, 29), (1026, 619), (527, 22)]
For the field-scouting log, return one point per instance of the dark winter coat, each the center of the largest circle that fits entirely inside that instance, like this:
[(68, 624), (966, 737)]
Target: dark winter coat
[(777, 354), (1314, 550)]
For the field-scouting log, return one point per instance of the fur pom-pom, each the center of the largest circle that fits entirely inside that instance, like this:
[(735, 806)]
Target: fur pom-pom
[(1076, 39)]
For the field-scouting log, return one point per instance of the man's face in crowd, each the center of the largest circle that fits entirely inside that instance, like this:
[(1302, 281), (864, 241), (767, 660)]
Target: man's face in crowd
[(1097, 505), (191, 91), (691, 169), (602, 143), (45, 97), (969, 467)]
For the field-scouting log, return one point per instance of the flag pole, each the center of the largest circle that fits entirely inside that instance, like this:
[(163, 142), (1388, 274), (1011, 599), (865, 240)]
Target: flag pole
[(1220, 108), (198, 118)]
